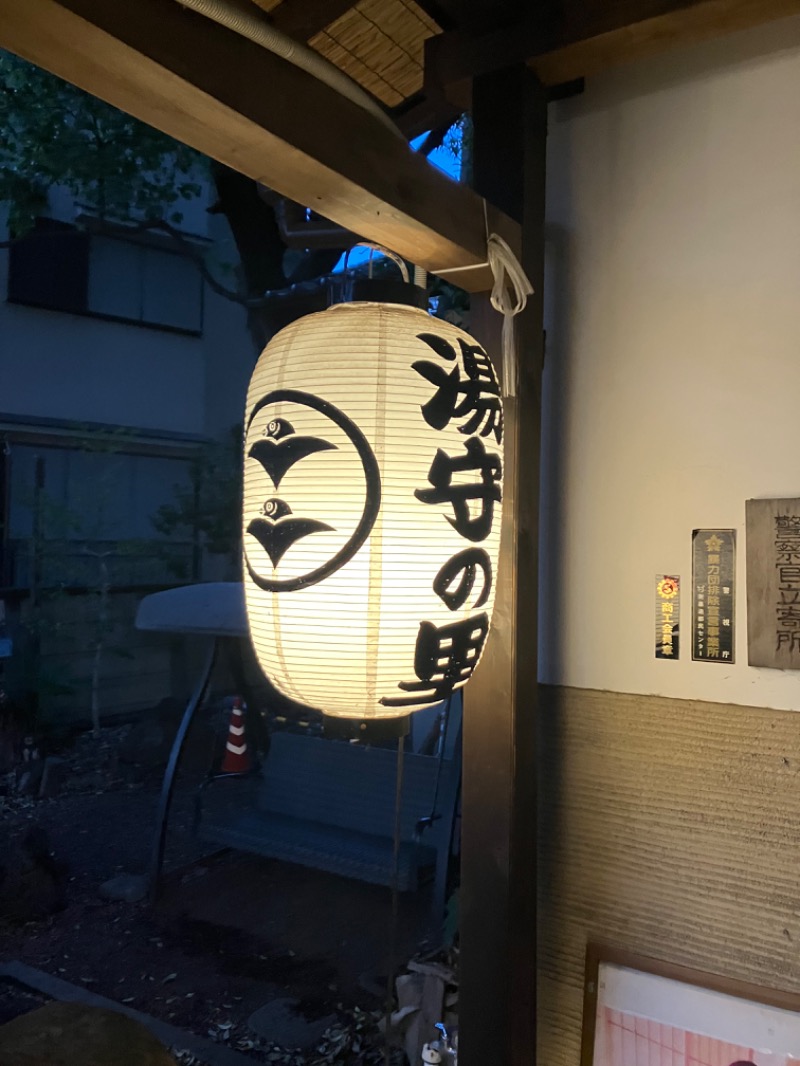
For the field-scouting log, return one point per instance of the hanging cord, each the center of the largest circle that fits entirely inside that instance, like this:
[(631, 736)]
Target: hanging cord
[(427, 821), (392, 959), (373, 248), (509, 296)]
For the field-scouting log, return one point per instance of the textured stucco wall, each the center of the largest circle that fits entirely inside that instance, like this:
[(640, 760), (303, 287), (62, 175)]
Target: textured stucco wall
[(670, 828)]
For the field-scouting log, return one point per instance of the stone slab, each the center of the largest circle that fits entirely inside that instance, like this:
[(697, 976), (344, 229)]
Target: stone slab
[(126, 888), (280, 1022)]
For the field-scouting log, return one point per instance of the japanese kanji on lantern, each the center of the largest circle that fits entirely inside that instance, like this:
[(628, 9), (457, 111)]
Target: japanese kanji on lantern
[(372, 500)]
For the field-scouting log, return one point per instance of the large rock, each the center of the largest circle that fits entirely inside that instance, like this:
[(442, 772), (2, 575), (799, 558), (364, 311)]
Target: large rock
[(70, 1034), (32, 880)]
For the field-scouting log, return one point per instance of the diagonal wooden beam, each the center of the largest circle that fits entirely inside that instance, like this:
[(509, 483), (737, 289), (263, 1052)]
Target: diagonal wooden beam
[(262, 116), (567, 39)]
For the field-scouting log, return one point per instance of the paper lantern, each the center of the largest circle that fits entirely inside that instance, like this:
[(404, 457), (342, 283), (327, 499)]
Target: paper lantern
[(372, 499)]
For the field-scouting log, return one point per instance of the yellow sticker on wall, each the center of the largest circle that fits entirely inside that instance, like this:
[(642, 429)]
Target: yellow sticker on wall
[(668, 609)]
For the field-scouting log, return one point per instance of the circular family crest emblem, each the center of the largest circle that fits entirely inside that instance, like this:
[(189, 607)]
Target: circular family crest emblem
[(320, 490)]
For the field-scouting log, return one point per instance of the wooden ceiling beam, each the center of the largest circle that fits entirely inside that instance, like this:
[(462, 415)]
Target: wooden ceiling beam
[(419, 114), (264, 117), (304, 19), (471, 15), (568, 39)]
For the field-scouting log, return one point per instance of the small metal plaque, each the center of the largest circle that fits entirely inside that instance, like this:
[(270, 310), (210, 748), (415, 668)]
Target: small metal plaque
[(668, 616), (713, 595)]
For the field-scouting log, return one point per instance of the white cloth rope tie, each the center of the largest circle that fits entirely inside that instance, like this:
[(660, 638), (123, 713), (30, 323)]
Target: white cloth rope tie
[(509, 296)]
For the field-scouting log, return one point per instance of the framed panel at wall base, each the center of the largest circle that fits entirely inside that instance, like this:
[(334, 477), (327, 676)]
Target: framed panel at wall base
[(640, 1012), (773, 583)]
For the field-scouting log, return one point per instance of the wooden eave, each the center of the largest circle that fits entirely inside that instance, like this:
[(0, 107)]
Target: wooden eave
[(263, 116)]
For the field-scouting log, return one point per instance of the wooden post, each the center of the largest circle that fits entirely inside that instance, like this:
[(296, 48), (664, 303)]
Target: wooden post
[(497, 1001)]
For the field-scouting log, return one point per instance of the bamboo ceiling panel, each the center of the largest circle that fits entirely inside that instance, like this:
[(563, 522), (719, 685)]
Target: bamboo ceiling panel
[(380, 44)]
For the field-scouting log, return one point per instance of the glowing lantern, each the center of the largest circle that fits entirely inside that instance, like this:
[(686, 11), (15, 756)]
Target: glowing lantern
[(372, 499)]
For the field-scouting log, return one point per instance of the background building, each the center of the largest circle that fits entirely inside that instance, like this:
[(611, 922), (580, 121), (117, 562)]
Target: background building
[(117, 363)]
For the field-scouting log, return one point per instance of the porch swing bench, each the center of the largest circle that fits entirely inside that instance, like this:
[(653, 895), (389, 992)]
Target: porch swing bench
[(330, 805), (319, 802)]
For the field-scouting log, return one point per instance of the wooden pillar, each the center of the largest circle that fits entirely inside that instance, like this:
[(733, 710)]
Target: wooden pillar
[(497, 1001)]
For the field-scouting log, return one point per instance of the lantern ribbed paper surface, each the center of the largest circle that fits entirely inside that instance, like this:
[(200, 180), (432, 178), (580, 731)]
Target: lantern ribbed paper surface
[(372, 497)]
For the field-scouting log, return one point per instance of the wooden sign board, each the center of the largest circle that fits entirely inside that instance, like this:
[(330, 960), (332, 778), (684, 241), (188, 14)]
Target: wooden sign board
[(773, 583)]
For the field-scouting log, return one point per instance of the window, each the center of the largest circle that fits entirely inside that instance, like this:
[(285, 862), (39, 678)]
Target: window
[(62, 268), (88, 502), (50, 268)]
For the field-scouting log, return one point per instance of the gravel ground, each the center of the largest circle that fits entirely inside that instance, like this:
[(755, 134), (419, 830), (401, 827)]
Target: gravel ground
[(231, 933)]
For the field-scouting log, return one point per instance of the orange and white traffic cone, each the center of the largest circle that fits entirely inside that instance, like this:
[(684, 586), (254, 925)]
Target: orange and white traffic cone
[(237, 757)]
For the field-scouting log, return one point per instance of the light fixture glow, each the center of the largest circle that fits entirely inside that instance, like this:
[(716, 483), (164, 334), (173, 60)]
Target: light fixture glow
[(372, 499)]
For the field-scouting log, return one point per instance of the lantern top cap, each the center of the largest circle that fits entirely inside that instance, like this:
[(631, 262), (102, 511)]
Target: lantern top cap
[(382, 291), (378, 305)]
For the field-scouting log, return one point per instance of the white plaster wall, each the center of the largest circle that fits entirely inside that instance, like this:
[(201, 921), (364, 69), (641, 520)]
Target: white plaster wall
[(56, 365), (672, 386), (86, 369)]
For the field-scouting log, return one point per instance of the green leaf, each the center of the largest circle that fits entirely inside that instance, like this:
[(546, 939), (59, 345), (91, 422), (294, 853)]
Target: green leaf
[(55, 134)]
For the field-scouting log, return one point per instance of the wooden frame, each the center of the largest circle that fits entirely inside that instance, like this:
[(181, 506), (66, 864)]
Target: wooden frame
[(725, 1011)]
